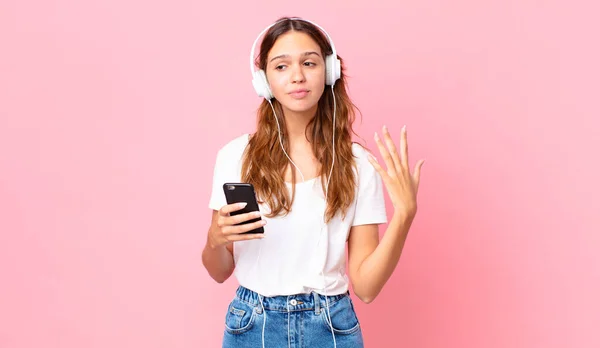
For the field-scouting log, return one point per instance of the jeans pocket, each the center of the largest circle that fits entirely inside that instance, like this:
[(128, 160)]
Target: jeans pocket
[(240, 317), (343, 317)]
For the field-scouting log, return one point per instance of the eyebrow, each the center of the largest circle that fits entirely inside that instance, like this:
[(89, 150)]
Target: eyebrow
[(287, 55)]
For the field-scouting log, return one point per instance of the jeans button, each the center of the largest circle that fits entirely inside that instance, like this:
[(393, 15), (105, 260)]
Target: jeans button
[(293, 302)]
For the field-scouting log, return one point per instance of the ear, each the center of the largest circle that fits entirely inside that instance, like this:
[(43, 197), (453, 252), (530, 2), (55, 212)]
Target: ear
[(333, 69), (261, 85)]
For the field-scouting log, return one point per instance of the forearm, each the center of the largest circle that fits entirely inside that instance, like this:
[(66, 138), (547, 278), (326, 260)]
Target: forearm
[(218, 261), (378, 267)]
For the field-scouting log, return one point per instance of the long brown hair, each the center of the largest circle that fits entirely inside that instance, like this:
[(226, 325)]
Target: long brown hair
[(264, 162)]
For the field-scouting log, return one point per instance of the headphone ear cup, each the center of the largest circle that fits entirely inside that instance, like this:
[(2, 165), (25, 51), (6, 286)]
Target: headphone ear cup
[(261, 85), (333, 69)]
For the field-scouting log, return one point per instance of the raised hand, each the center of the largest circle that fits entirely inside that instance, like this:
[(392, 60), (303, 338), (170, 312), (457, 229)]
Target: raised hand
[(401, 184)]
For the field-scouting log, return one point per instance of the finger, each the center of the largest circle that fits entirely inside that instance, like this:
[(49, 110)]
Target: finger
[(417, 174), (379, 169), (392, 148), (249, 236), (385, 154), (229, 208), (375, 164), (236, 219), (404, 148), (232, 230)]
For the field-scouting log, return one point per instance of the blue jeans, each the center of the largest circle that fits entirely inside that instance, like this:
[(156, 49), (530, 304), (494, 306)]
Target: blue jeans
[(295, 321)]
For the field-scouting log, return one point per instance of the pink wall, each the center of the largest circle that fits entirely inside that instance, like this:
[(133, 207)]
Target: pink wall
[(111, 113)]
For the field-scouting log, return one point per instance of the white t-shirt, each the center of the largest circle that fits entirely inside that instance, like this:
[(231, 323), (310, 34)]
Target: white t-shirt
[(299, 253)]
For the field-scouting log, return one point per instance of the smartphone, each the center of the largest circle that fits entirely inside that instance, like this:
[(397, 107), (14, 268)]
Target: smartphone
[(243, 192)]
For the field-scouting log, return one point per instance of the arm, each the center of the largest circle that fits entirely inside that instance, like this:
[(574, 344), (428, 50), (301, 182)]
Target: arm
[(370, 262), (218, 260), (217, 256)]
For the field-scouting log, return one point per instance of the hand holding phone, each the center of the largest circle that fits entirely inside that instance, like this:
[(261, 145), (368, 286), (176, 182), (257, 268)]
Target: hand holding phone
[(240, 219), (244, 193)]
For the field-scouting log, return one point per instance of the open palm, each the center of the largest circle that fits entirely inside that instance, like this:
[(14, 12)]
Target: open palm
[(401, 184)]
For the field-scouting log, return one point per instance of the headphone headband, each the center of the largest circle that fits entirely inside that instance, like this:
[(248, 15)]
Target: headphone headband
[(259, 78), (252, 66)]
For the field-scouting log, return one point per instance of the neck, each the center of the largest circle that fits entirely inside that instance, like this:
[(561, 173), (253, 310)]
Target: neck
[(296, 123)]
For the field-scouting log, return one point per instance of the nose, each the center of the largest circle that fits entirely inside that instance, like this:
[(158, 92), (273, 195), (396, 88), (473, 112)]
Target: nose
[(297, 74)]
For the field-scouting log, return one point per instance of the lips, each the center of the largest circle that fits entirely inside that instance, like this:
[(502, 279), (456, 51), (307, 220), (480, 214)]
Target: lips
[(299, 93)]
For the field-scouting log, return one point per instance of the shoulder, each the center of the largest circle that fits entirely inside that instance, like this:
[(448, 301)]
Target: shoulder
[(364, 169), (234, 148), (361, 155)]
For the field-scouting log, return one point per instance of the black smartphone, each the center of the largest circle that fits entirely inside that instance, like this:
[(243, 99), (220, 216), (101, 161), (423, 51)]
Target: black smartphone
[(243, 192)]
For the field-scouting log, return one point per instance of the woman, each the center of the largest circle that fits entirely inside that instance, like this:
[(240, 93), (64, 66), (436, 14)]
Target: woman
[(317, 191)]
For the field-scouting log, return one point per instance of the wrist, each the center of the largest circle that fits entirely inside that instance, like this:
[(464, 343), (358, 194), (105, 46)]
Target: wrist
[(212, 243), (405, 214)]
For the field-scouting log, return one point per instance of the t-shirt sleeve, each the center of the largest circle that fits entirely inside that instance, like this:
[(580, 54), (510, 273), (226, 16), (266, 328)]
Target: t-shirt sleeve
[(217, 196), (370, 201)]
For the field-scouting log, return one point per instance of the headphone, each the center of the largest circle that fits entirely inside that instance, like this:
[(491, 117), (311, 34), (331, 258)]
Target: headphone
[(259, 78)]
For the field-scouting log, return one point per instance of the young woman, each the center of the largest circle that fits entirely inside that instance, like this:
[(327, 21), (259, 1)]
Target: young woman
[(317, 190)]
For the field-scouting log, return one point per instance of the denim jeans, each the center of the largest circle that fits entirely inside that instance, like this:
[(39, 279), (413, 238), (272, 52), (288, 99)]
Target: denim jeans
[(295, 321)]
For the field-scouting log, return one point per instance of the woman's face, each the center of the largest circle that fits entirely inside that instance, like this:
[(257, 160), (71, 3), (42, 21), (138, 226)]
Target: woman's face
[(296, 72)]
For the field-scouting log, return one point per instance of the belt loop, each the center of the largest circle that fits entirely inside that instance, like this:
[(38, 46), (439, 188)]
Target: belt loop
[(317, 301), (259, 308)]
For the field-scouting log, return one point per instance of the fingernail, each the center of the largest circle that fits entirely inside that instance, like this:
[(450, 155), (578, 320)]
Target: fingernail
[(263, 222), (376, 136), (373, 158), (385, 128), (242, 204)]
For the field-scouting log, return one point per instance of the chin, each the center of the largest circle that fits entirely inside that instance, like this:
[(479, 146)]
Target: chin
[(296, 108), (301, 105)]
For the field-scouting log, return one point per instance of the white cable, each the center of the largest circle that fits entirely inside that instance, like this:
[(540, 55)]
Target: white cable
[(324, 217), (260, 298), (328, 312), (281, 142), (326, 196), (333, 158), (287, 304)]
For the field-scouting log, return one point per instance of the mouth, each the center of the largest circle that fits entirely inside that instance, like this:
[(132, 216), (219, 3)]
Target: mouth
[(299, 93)]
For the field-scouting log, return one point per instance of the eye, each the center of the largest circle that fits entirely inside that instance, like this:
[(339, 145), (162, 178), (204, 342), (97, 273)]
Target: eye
[(280, 67), (309, 64)]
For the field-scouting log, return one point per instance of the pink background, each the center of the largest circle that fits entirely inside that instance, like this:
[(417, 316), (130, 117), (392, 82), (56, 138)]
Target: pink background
[(112, 112)]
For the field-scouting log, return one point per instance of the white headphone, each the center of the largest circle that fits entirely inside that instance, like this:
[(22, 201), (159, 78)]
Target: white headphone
[(259, 78)]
